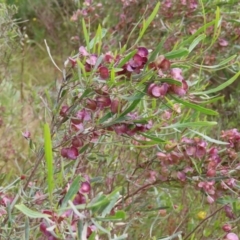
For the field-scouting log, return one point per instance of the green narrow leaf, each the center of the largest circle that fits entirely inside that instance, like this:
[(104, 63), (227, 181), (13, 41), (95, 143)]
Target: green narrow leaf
[(134, 104), (82, 68), (148, 21), (201, 29), (177, 53), (209, 139), (98, 203), (111, 204), (26, 230), (171, 81), (48, 158), (123, 236), (99, 36), (75, 210), (84, 232), (172, 237), (112, 76), (153, 14), (130, 34), (85, 33), (98, 62), (142, 121), (155, 52), (119, 215), (30, 213), (155, 209), (115, 121), (196, 41), (214, 99), (217, 27), (102, 201), (190, 124), (128, 57), (195, 107), (49, 99), (100, 227), (220, 87), (74, 188), (204, 16), (98, 200), (85, 93), (92, 236), (84, 148), (154, 138), (79, 228), (222, 64), (105, 117)]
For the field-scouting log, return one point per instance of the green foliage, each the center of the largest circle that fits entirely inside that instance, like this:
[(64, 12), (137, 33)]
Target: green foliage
[(49, 159), (8, 34)]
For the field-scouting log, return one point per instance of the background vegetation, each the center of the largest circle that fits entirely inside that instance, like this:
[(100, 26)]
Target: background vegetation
[(119, 119)]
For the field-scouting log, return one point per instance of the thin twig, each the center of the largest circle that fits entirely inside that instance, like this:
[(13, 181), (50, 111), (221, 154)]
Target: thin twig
[(204, 220), (49, 53), (41, 155)]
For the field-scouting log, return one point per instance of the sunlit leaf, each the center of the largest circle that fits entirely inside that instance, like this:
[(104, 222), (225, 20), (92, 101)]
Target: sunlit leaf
[(133, 105), (85, 33), (156, 51), (190, 124), (126, 58), (177, 53), (49, 158), (209, 139), (172, 237), (74, 188), (196, 41), (119, 215), (221, 86), (31, 213), (98, 226), (197, 33), (148, 21), (219, 66), (154, 138), (171, 81), (27, 229), (195, 107)]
